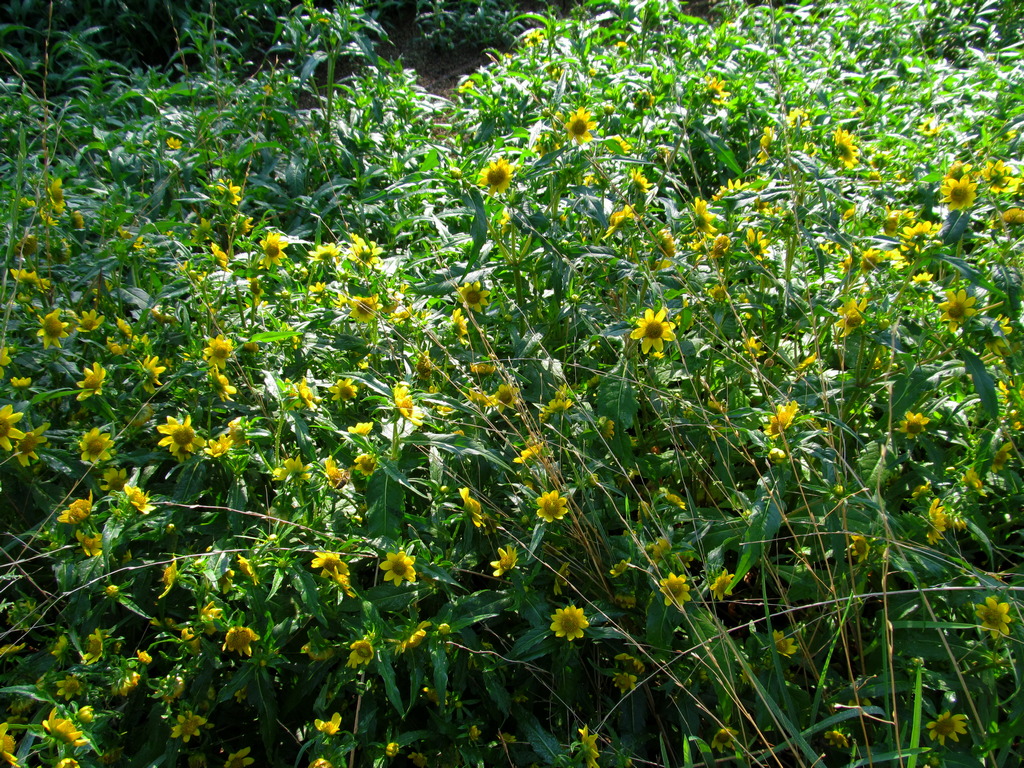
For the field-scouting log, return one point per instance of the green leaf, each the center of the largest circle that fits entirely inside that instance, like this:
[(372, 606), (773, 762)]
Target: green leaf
[(478, 229), (983, 383), (385, 499), (387, 673), (954, 226)]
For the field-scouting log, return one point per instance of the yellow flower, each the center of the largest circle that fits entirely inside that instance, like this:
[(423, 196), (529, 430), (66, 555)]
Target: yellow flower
[(782, 420), (720, 587), (569, 622), (1002, 456), (405, 405), (343, 389), (624, 681), (53, 329), (723, 739), (398, 568), (365, 464), (995, 616), (217, 351), (273, 250), (63, 729), (330, 727), (618, 218), (716, 87), (151, 365), (362, 653), (579, 126), (675, 589), (506, 397), (188, 726), (8, 746), (507, 559), (973, 481), (947, 726), (619, 568), (938, 521), (851, 315), (392, 749), (956, 308), (181, 439), (654, 330), (25, 450), (859, 548), (703, 219), (69, 687), (94, 445), (837, 739), (551, 506), (92, 384), (238, 639), (784, 645), (291, 468), (77, 511), (958, 194), (364, 308), (365, 253), (588, 747), (497, 176), (8, 432), (361, 428), (331, 563), (239, 759), (473, 296), (913, 424), (846, 147)]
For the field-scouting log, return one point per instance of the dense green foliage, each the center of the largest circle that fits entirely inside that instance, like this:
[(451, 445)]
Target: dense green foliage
[(651, 401)]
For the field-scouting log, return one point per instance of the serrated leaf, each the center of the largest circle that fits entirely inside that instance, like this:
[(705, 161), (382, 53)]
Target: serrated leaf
[(385, 501), (954, 226), (984, 385)]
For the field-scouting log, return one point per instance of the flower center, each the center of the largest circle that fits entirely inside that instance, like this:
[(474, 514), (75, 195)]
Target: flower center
[(183, 436), (53, 326), (577, 127), (654, 331)]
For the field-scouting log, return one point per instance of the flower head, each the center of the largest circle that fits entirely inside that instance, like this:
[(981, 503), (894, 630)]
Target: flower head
[(239, 759), (405, 405), (958, 194), (507, 559), (95, 446), (851, 315), (398, 567), (92, 384), (8, 432), (721, 586), (362, 653), (947, 726), (913, 424), (784, 645), (675, 589), (52, 329), (957, 307), (273, 250), (723, 739), (473, 296), (781, 420), (364, 308), (995, 616), (579, 126), (188, 725), (569, 622), (551, 506), (653, 330), (63, 729), (588, 747), (846, 148), (497, 176), (181, 439), (238, 639), (217, 351)]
